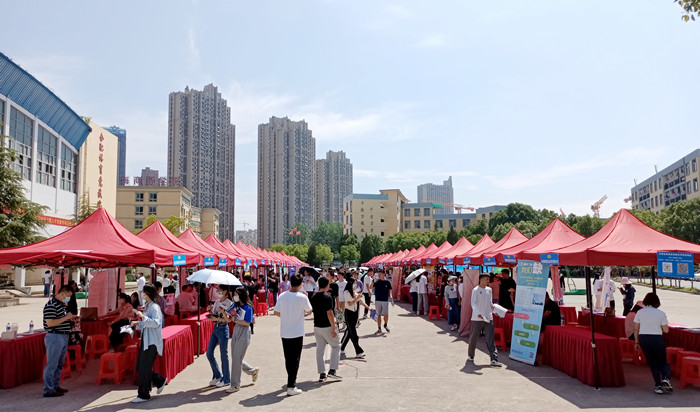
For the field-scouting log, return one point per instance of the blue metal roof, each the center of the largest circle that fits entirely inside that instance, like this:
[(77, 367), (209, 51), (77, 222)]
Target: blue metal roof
[(26, 91)]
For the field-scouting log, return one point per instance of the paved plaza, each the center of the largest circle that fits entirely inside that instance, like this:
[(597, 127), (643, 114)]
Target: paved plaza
[(420, 365)]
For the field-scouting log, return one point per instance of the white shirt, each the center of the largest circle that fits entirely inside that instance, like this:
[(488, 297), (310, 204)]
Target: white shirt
[(414, 286), (309, 284), (341, 287), (460, 290), (423, 284), (368, 283), (292, 307), (348, 297), (598, 286), (482, 304), (140, 282), (165, 282), (650, 320), (47, 278)]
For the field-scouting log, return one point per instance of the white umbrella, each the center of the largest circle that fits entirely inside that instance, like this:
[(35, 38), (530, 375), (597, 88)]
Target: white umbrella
[(217, 277), (414, 275)]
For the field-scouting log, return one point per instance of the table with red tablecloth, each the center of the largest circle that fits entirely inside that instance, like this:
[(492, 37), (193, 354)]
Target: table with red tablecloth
[(569, 313), (21, 359), (608, 325), (207, 327), (505, 323), (96, 327), (568, 349), (684, 338), (178, 351), (405, 293)]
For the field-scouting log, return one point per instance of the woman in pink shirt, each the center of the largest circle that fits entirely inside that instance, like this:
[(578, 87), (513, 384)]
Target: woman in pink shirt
[(125, 313)]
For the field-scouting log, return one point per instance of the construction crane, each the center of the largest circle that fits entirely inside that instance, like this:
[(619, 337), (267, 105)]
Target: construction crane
[(458, 207), (627, 199), (596, 206), (562, 214)]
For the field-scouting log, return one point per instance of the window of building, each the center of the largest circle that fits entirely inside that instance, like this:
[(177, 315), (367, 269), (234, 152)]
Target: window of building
[(21, 131), (416, 212), (407, 212), (46, 158), (152, 210), (426, 224), (687, 189), (655, 185), (426, 211), (138, 210), (138, 223), (438, 224), (695, 185), (465, 222), (68, 169), (407, 224), (382, 234), (453, 223), (416, 224), (695, 165), (153, 197)]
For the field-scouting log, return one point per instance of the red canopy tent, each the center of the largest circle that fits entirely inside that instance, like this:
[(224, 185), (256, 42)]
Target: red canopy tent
[(484, 244), (556, 235), (431, 258), (406, 259), (234, 259), (623, 241), (196, 243), (99, 241), (416, 258), (158, 235), (462, 246), (511, 239)]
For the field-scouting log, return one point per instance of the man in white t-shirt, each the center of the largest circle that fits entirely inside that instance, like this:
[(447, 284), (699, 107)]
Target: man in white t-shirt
[(341, 287), (482, 319), (291, 307), (367, 281), (422, 294), (47, 283)]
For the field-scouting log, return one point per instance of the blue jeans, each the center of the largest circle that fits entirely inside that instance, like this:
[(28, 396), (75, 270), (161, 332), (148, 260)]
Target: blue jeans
[(453, 313), (56, 347), (47, 289), (219, 337)]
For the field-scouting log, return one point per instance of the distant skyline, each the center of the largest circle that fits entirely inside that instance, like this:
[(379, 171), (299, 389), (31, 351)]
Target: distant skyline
[(553, 104)]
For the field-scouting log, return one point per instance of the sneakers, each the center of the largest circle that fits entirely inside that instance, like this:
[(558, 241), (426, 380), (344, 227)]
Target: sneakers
[(342, 355), (53, 394), (61, 390), (221, 384), (470, 359), (214, 382), (322, 377), (293, 391), (233, 389), (333, 376), (454, 327), (378, 332), (658, 390), (495, 363), (161, 387), (360, 355), (386, 328), (256, 372), (139, 400), (665, 384)]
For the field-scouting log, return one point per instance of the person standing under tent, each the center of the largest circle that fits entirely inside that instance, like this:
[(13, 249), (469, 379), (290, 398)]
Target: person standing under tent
[(57, 324), (422, 290), (650, 324), (140, 282), (506, 292), (628, 291), (325, 331), (291, 307), (151, 327), (219, 336), (273, 286), (452, 303), (241, 314), (367, 281), (482, 320), (47, 283)]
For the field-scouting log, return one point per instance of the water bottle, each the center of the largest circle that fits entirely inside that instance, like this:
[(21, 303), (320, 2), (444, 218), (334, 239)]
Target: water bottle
[(8, 327), (31, 326), (563, 320)]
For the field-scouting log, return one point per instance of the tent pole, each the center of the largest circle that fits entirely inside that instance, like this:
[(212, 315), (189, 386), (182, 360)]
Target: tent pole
[(653, 279), (199, 324), (589, 298), (119, 290)]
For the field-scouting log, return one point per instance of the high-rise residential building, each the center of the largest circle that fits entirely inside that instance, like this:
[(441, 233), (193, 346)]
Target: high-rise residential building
[(121, 156), (149, 177), (677, 182), (201, 151), (286, 169), (443, 194), (333, 183)]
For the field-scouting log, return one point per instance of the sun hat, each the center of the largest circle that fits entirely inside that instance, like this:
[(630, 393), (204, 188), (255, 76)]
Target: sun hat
[(625, 281)]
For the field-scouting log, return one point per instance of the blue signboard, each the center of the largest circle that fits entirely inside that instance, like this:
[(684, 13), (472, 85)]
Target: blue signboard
[(449, 262), (262, 261), (179, 260), (509, 259), (466, 261), (427, 261), (549, 259), (209, 261), (490, 261), (238, 262), (529, 306), (441, 260), (223, 262), (675, 264)]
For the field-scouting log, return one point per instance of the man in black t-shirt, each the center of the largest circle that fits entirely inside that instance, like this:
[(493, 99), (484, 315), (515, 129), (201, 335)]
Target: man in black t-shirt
[(325, 331), (506, 290), (551, 314), (382, 290)]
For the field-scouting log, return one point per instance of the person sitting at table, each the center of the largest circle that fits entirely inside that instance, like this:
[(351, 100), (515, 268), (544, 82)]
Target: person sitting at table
[(160, 300), (506, 291), (151, 327), (220, 336), (135, 300), (629, 319), (650, 324), (551, 314), (187, 302), (125, 314)]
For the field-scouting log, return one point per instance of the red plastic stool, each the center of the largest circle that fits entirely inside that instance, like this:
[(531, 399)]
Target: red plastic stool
[(130, 355), (95, 346), (679, 359), (261, 309), (499, 338), (77, 358), (672, 359), (65, 372), (111, 367), (127, 341), (434, 311), (690, 372)]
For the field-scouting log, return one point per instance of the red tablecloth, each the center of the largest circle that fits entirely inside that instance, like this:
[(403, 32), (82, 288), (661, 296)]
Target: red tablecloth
[(21, 360), (95, 327), (505, 323), (607, 325), (569, 349), (178, 351), (683, 338), (406, 293), (569, 313), (207, 329)]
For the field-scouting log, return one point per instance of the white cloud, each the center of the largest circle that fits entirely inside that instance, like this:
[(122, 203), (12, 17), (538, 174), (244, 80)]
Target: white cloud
[(60, 73), (193, 61), (432, 41)]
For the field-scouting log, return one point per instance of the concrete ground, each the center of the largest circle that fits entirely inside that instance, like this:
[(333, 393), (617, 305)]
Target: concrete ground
[(420, 364)]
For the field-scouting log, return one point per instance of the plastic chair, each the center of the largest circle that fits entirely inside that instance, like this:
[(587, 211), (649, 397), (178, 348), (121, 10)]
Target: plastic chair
[(434, 311), (66, 371), (672, 359), (499, 338), (95, 346), (127, 341), (169, 303), (77, 358), (690, 372), (130, 355), (261, 309), (682, 355), (111, 367)]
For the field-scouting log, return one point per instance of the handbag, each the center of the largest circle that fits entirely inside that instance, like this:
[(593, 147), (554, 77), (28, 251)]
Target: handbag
[(339, 317)]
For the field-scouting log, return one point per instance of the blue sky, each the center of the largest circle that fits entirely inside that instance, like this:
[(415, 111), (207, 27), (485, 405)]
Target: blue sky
[(550, 103)]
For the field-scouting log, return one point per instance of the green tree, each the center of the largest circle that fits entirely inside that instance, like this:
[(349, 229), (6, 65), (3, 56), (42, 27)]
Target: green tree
[(480, 227), (277, 247), (501, 230), (474, 238), (349, 253), (19, 217), (297, 234), (691, 9), (528, 229), (150, 220), (371, 246), (298, 250), (324, 254), (434, 236), (313, 260), (328, 233), (650, 218), (588, 226), (350, 240), (453, 236), (513, 213), (544, 218), (682, 220), (85, 208)]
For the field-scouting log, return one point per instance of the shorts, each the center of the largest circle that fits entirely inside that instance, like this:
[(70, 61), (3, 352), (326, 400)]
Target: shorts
[(382, 308)]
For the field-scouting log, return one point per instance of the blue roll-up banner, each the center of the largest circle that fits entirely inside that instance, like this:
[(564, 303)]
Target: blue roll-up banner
[(490, 261), (179, 260), (223, 262), (209, 261), (529, 306), (549, 259)]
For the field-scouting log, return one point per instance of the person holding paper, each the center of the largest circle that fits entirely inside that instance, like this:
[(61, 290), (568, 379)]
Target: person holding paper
[(482, 319), (241, 314), (506, 293), (452, 303)]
